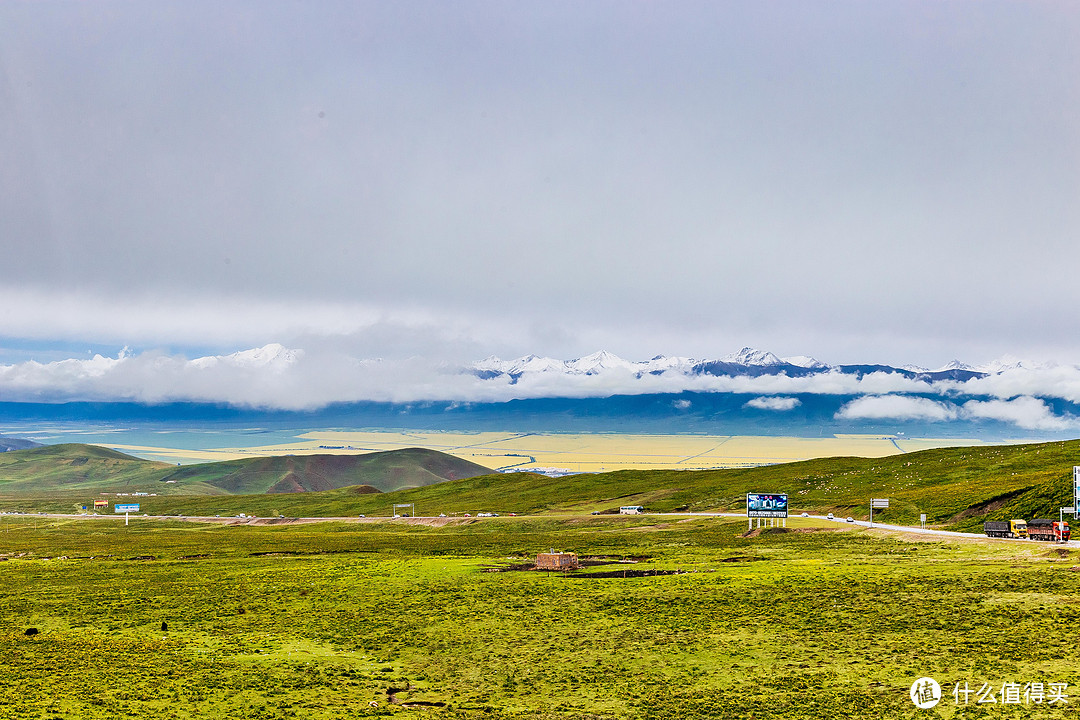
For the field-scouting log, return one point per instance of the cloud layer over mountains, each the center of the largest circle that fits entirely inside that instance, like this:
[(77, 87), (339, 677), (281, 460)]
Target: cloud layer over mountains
[(277, 377)]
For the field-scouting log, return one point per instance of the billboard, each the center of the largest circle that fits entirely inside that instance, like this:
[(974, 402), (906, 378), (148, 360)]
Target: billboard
[(101, 504), (133, 507), (766, 505)]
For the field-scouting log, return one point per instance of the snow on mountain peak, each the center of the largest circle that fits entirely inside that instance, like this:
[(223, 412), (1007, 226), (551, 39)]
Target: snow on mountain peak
[(491, 362), (955, 365), (272, 355), (750, 356), (602, 360), (805, 361), (533, 363)]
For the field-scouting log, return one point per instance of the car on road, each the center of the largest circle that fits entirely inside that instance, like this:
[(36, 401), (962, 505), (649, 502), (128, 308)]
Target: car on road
[(849, 519), (805, 515), (829, 517)]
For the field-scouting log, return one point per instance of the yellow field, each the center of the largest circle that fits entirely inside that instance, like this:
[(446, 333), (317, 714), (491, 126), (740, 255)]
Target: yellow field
[(576, 452)]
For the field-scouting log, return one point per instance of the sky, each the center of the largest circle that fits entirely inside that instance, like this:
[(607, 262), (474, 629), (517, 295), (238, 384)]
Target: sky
[(431, 183)]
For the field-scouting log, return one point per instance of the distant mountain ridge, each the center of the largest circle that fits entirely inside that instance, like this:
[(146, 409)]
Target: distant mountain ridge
[(747, 362), (8, 444)]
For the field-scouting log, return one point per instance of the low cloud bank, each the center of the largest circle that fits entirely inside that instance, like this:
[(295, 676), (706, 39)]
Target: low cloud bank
[(1025, 412), (277, 377)]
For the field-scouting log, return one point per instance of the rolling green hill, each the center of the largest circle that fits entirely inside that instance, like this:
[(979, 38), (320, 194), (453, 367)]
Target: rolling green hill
[(71, 467), (386, 471), (88, 468)]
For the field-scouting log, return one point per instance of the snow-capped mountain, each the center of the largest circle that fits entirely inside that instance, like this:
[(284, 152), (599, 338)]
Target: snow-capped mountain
[(599, 362), (956, 365), (745, 362), (804, 361), (272, 355), (750, 356)]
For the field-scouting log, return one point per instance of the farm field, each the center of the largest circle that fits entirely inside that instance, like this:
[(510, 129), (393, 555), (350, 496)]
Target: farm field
[(578, 452), (181, 620)]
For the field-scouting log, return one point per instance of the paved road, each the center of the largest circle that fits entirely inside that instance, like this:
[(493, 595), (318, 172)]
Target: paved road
[(353, 518)]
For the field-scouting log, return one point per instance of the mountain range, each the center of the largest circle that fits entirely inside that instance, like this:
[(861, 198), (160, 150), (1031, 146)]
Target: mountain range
[(746, 362)]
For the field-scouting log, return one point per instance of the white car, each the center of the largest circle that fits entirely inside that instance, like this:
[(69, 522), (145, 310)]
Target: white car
[(850, 519), (829, 517), (805, 515)]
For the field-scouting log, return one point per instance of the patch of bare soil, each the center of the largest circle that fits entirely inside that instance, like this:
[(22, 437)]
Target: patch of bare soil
[(435, 522), (781, 531)]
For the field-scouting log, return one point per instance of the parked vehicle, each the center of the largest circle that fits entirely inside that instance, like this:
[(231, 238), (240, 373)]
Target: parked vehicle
[(1005, 528), (1052, 530)]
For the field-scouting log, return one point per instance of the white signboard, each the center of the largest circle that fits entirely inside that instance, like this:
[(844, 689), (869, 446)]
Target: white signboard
[(133, 507), (879, 502)]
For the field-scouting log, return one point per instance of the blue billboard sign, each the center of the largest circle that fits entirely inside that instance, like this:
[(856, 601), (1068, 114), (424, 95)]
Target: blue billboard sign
[(130, 508), (766, 505)]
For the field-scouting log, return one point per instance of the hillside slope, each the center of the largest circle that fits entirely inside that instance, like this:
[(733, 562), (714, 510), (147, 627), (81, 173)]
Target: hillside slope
[(386, 471), (953, 486), (73, 466)]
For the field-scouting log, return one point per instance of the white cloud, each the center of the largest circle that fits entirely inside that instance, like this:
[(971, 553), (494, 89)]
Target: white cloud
[(774, 403), (897, 407), (1025, 412)]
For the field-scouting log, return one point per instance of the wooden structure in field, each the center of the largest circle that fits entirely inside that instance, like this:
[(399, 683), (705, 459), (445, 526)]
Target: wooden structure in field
[(556, 561)]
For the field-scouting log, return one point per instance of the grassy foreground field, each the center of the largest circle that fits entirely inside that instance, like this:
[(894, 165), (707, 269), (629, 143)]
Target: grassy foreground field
[(180, 620)]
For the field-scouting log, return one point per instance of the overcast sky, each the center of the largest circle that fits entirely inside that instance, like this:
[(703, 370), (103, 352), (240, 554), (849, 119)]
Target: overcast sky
[(857, 181)]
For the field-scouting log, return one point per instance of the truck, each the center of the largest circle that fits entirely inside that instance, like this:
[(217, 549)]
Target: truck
[(1005, 528), (1052, 530)]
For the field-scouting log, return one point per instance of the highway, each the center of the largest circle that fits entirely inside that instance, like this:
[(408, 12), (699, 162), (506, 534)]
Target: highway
[(250, 520)]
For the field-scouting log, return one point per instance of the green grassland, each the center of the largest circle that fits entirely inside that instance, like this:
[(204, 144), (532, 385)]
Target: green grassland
[(955, 487), (321, 621)]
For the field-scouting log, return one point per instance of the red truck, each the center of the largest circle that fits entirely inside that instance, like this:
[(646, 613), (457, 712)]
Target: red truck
[(1042, 529)]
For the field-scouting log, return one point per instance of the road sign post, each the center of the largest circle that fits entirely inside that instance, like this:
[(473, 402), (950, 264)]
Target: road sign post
[(128, 508), (880, 503)]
